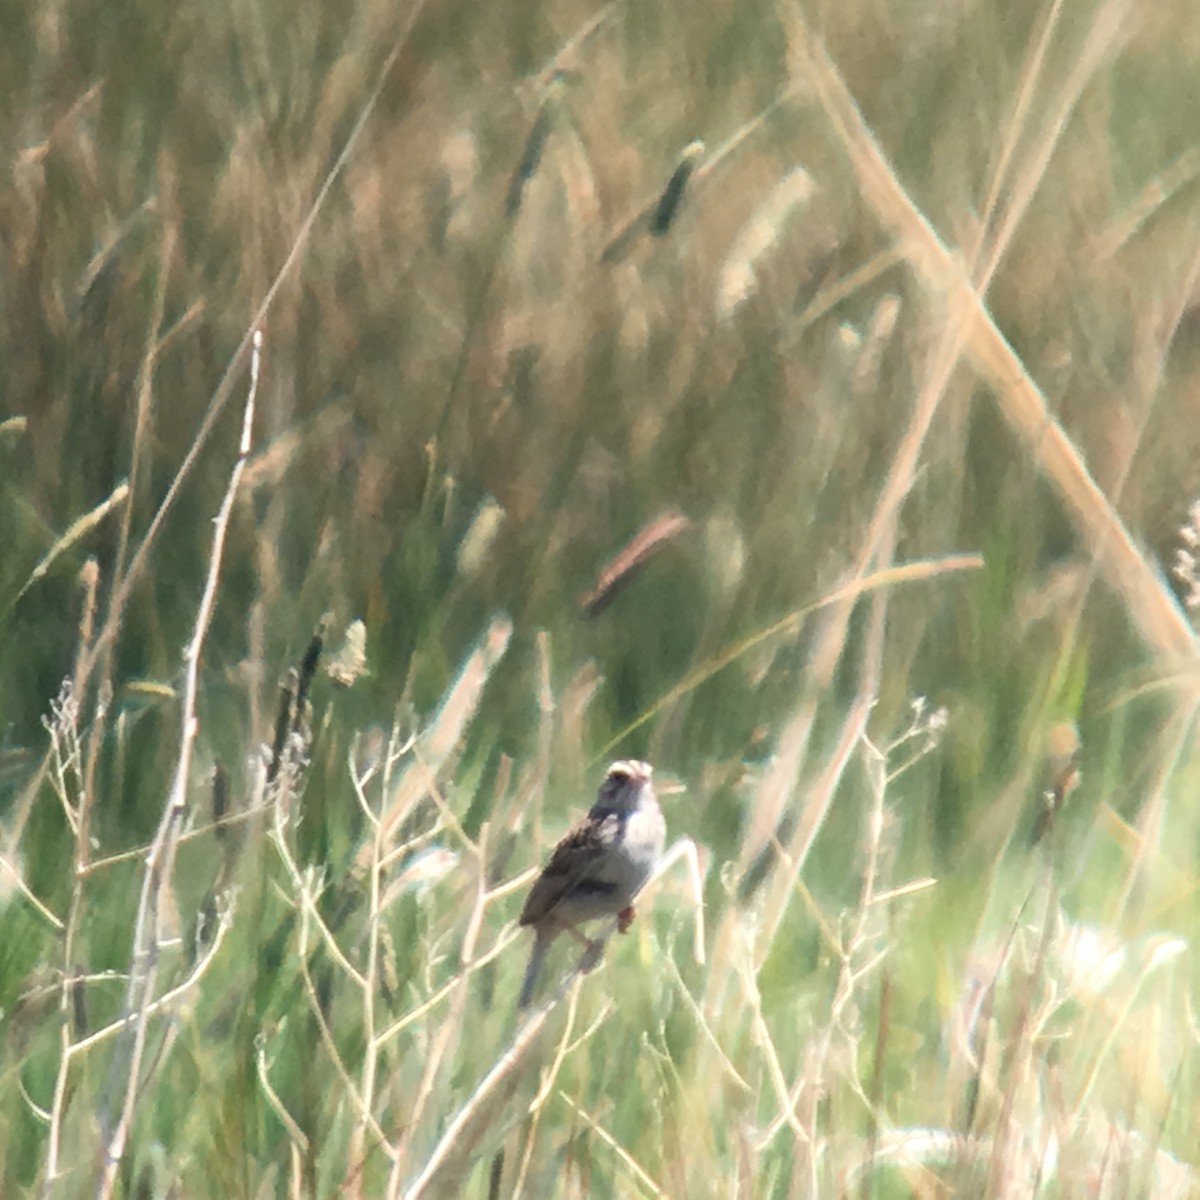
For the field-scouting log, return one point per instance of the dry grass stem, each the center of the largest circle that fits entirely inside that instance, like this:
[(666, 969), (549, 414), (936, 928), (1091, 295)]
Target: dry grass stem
[(450, 1155), (445, 731), (78, 530), (1104, 39), (639, 1172), (706, 1028), (1150, 606), (511, 934), (156, 884), (358, 1101), (810, 819), (910, 572), (294, 1132)]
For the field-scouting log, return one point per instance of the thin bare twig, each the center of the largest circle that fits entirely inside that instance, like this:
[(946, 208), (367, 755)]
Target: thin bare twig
[(156, 881)]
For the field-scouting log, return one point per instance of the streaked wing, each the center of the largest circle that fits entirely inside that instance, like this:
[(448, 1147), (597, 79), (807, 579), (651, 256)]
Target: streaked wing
[(570, 863)]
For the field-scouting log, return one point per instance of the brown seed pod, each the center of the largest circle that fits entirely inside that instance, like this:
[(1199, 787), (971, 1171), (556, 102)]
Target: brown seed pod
[(630, 559)]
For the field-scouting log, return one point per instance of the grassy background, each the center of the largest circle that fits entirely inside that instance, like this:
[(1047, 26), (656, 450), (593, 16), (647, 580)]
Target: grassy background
[(464, 412)]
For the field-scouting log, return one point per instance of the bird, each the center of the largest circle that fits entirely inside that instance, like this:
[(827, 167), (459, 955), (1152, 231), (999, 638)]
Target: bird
[(598, 868)]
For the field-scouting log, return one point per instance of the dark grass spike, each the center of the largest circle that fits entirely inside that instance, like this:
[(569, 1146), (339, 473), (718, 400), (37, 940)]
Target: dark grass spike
[(308, 669), (764, 861), (495, 1175), (220, 797), (535, 144), (283, 723), (660, 213), (293, 703), (672, 195)]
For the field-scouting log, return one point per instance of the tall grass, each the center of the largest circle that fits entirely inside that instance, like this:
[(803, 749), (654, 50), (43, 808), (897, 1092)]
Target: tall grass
[(800, 397)]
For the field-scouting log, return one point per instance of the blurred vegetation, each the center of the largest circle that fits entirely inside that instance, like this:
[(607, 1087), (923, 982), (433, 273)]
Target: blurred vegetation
[(475, 390)]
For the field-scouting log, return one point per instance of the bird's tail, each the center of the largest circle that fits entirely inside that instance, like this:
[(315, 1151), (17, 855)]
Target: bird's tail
[(532, 968)]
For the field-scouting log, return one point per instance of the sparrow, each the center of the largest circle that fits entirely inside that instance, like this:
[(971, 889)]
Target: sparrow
[(599, 867)]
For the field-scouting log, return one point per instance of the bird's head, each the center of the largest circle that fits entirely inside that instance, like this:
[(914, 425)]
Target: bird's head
[(626, 783)]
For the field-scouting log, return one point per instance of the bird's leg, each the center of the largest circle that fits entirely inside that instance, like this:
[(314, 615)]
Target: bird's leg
[(581, 937), (593, 948), (625, 919), (592, 955)]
